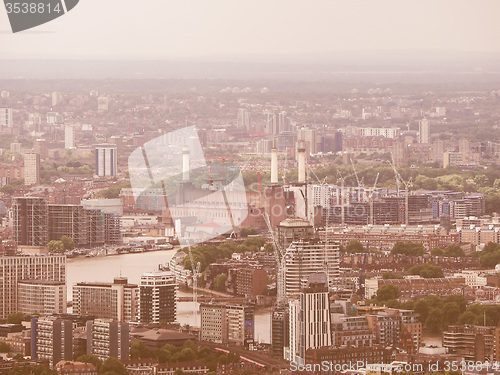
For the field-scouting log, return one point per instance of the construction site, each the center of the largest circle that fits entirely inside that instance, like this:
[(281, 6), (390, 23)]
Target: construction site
[(36, 223)]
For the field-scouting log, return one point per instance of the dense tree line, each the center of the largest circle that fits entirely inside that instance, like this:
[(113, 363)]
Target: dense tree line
[(187, 353), (208, 254)]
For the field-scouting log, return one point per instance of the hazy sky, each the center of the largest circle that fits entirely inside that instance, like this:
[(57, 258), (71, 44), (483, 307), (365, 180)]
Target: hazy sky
[(145, 29)]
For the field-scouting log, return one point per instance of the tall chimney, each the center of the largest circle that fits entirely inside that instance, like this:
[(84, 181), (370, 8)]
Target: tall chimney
[(302, 163), (185, 164), (274, 166)]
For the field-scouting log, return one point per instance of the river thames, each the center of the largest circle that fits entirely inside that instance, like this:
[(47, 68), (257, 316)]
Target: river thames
[(132, 266)]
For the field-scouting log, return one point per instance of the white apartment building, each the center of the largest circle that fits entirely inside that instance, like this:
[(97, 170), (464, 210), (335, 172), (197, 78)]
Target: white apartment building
[(14, 269), (118, 301), (303, 258), (41, 297)]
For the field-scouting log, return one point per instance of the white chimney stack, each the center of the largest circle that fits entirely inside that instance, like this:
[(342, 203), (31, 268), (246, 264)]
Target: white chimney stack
[(185, 164), (302, 164), (274, 166)]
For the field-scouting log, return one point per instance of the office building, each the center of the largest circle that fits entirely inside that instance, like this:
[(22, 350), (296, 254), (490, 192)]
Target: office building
[(453, 158), (279, 331), (243, 119), (424, 131), (69, 134), (227, 324), (31, 169), (351, 331), (6, 117), (105, 160), (247, 281), (304, 258), (474, 343), (108, 338), (309, 139), (118, 301), (43, 297), (312, 329), (102, 103), (52, 339), (386, 328), (30, 221), (56, 98), (14, 269), (380, 132), (157, 297)]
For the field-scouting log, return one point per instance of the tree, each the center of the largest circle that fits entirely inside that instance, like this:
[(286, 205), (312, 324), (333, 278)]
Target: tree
[(437, 252), (55, 246), (247, 231), (7, 189), (387, 292), (467, 317), (92, 359), (408, 248), (454, 250), (355, 247), (391, 276), (67, 243), (16, 318), (452, 313), (220, 282), (422, 309), (188, 355), (426, 270), (434, 319), (113, 364), (139, 350)]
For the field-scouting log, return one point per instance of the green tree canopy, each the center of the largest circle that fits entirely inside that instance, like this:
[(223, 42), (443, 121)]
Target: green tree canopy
[(220, 282), (247, 231), (355, 247), (387, 292), (426, 270), (67, 243), (408, 248), (55, 246), (391, 276), (92, 359), (454, 250), (16, 318), (113, 364)]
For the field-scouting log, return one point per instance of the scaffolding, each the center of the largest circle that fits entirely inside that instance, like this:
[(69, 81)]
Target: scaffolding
[(36, 223), (113, 226), (68, 220), (30, 221)]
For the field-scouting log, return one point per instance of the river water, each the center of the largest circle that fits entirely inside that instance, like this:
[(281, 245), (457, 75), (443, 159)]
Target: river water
[(104, 269)]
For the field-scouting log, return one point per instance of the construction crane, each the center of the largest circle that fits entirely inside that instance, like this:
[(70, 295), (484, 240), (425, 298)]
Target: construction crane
[(342, 194), (393, 165), (360, 182), (280, 262), (196, 274), (409, 122), (408, 184), (362, 271), (371, 196)]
